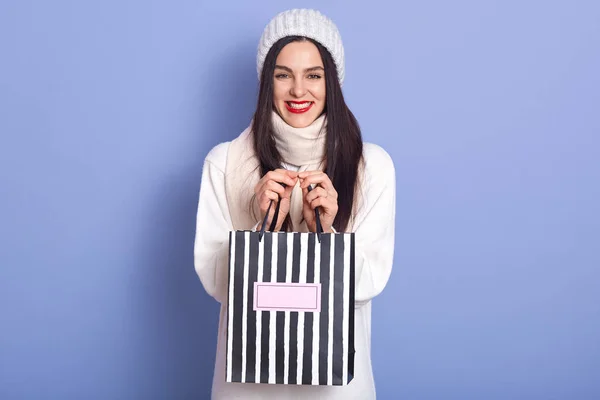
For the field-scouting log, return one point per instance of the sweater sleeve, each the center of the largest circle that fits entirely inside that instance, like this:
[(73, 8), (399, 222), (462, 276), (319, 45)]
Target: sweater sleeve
[(375, 225), (213, 224)]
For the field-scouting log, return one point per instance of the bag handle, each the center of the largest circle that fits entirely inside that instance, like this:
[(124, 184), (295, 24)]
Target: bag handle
[(276, 215)]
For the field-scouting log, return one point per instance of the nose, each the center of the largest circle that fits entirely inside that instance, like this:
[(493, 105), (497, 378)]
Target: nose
[(298, 90)]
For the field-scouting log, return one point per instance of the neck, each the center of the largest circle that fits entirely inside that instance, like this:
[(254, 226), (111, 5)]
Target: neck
[(300, 146)]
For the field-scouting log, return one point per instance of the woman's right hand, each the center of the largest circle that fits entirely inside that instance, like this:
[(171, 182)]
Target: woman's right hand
[(271, 187)]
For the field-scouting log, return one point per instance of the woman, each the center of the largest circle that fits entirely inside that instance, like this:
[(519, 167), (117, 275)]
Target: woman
[(302, 135)]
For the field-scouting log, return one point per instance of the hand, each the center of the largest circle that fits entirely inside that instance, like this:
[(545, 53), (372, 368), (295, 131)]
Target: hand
[(323, 196), (271, 187)]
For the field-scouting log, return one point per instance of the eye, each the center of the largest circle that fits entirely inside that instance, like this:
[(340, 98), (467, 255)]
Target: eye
[(281, 76), (314, 76)]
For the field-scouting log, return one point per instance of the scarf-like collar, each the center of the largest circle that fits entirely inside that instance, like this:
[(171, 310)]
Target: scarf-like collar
[(302, 148)]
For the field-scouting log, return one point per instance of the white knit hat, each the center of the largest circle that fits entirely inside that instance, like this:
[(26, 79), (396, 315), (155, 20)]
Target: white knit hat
[(302, 22)]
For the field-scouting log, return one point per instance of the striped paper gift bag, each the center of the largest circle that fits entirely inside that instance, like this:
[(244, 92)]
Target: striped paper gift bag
[(290, 308)]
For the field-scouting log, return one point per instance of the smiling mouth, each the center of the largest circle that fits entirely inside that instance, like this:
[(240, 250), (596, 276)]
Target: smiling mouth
[(297, 107)]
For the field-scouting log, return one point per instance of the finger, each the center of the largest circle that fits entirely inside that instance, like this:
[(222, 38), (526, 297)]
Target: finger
[(266, 198), (288, 192), (291, 174), (270, 184), (305, 203), (304, 174), (269, 210), (318, 179), (259, 188), (329, 206), (316, 192), (305, 193), (274, 187), (281, 176), (321, 180)]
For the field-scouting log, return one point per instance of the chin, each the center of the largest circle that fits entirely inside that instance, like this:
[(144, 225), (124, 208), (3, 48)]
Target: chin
[(299, 120), (296, 122)]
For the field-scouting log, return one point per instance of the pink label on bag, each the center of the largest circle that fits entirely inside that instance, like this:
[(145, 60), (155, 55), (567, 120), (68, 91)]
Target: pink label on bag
[(278, 296)]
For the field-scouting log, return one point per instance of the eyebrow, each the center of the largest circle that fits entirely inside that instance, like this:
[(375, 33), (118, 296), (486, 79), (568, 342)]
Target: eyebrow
[(311, 69)]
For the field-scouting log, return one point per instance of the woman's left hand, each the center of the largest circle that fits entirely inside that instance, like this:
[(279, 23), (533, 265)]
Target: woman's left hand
[(323, 196)]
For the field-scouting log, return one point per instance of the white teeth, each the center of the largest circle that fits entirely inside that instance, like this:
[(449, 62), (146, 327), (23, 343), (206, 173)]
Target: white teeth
[(299, 106)]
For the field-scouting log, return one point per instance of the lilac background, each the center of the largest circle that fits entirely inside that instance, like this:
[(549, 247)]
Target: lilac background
[(490, 110)]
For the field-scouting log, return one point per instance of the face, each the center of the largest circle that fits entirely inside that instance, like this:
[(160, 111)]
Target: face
[(299, 84)]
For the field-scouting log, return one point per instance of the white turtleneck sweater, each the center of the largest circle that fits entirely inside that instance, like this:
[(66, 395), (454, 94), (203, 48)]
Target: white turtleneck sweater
[(374, 235)]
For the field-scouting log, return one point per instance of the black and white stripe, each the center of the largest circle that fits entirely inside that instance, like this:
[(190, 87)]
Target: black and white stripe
[(291, 347)]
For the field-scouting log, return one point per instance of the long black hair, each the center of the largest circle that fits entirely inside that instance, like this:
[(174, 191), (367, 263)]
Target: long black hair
[(344, 145)]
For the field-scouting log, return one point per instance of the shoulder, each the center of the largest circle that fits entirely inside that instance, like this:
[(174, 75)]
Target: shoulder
[(217, 156), (377, 162)]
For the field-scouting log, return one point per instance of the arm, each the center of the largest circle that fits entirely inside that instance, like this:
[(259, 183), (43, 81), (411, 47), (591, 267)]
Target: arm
[(375, 226), (213, 223)]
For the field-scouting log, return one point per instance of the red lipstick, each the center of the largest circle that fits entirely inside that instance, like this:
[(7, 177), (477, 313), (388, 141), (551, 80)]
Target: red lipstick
[(298, 110)]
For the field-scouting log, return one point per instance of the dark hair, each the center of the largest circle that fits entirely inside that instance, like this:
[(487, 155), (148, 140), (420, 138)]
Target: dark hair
[(344, 144)]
